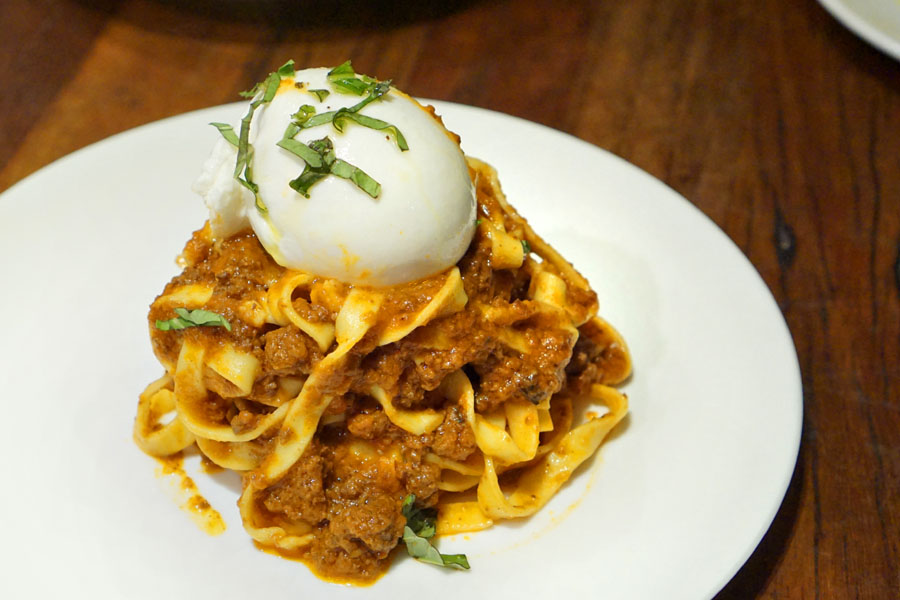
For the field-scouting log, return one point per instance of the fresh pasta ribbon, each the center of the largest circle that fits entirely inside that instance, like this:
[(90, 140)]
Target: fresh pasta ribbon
[(193, 402), (281, 299), (449, 299), (240, 369), (283, 535), (539, 482), (237, 456), (151, 434), (414, 421)]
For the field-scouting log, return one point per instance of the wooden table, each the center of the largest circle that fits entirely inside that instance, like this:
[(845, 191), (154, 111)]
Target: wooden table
[(768, 115)]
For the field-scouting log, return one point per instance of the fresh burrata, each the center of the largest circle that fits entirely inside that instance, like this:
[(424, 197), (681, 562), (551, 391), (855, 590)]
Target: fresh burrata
[(421, 222)]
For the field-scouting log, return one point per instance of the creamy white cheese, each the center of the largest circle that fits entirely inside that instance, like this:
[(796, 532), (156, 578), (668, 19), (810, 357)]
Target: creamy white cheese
[(421, 223)]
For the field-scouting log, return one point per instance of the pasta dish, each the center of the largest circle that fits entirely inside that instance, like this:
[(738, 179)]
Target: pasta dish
[(361, 414)]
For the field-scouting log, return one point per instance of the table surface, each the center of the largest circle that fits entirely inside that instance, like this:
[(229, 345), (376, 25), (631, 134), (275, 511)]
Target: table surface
[(769, 116)]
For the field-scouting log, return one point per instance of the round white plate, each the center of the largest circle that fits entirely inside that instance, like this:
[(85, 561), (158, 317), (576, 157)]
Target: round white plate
[(876, 21), (672, 506)]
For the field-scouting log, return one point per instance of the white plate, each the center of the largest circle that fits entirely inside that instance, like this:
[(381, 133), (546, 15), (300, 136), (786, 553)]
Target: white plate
[(876, 21), (671, 508)]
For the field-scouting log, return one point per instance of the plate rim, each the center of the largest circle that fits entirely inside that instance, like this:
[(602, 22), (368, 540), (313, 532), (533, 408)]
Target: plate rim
[(843, 12)]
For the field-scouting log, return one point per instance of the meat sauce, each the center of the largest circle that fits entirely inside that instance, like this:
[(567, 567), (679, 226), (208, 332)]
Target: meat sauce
[(351, 481)]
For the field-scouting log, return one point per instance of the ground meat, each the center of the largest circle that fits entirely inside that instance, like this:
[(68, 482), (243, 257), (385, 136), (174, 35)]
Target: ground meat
[(419, 476), (244, 421), (369, 423), (290, 351), (504, 376), (371, 523), (300, 494), (507, 374), (240, 264), (454, 438), (582, 370), (364, 496), (466, 339), (598, 357)]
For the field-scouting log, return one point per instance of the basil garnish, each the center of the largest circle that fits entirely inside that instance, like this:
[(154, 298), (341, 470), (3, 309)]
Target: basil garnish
[(227, 132), (526, 247), (193, 318), (321, 161), (345, 80), (319, 154), (262, 93), (419, 529), (303, 114), (286, 70), (344, 114)]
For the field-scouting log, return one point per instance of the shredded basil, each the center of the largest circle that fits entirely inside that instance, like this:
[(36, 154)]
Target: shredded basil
[(342, 70), (262, 93), (318, 155), (526, 247), (370, 122), (315, 121), (286, 70), (305, 118), (345, 80), (227, 132), (376, 91), (303, 114), (309, 156), (362, 180), (321, 161), (193, 318), (419, 529)]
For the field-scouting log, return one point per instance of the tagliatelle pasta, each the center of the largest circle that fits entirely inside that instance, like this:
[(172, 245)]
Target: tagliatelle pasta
[(479, 390)]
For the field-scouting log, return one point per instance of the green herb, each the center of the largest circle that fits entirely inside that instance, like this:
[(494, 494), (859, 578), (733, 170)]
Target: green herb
[(262, 93), (419, 529), (286, 70), (319, 119), (321, 161), (345, 80), (526, 247), (309, 156), (376, 92), (302, 115), (193, 318), (345, 170), (344, 69), (338, 117), (351, 85), (370, 122), (477, 222), (318, 155), (227, 132)]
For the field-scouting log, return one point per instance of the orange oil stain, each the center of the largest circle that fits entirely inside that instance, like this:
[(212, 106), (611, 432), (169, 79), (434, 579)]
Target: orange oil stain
[(188, 497)]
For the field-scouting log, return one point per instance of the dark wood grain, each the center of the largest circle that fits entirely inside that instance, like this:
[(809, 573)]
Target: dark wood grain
[(769, 116)]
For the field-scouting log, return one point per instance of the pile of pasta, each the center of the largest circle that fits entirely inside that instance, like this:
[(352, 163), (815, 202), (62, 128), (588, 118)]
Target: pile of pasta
[(511, 301)]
